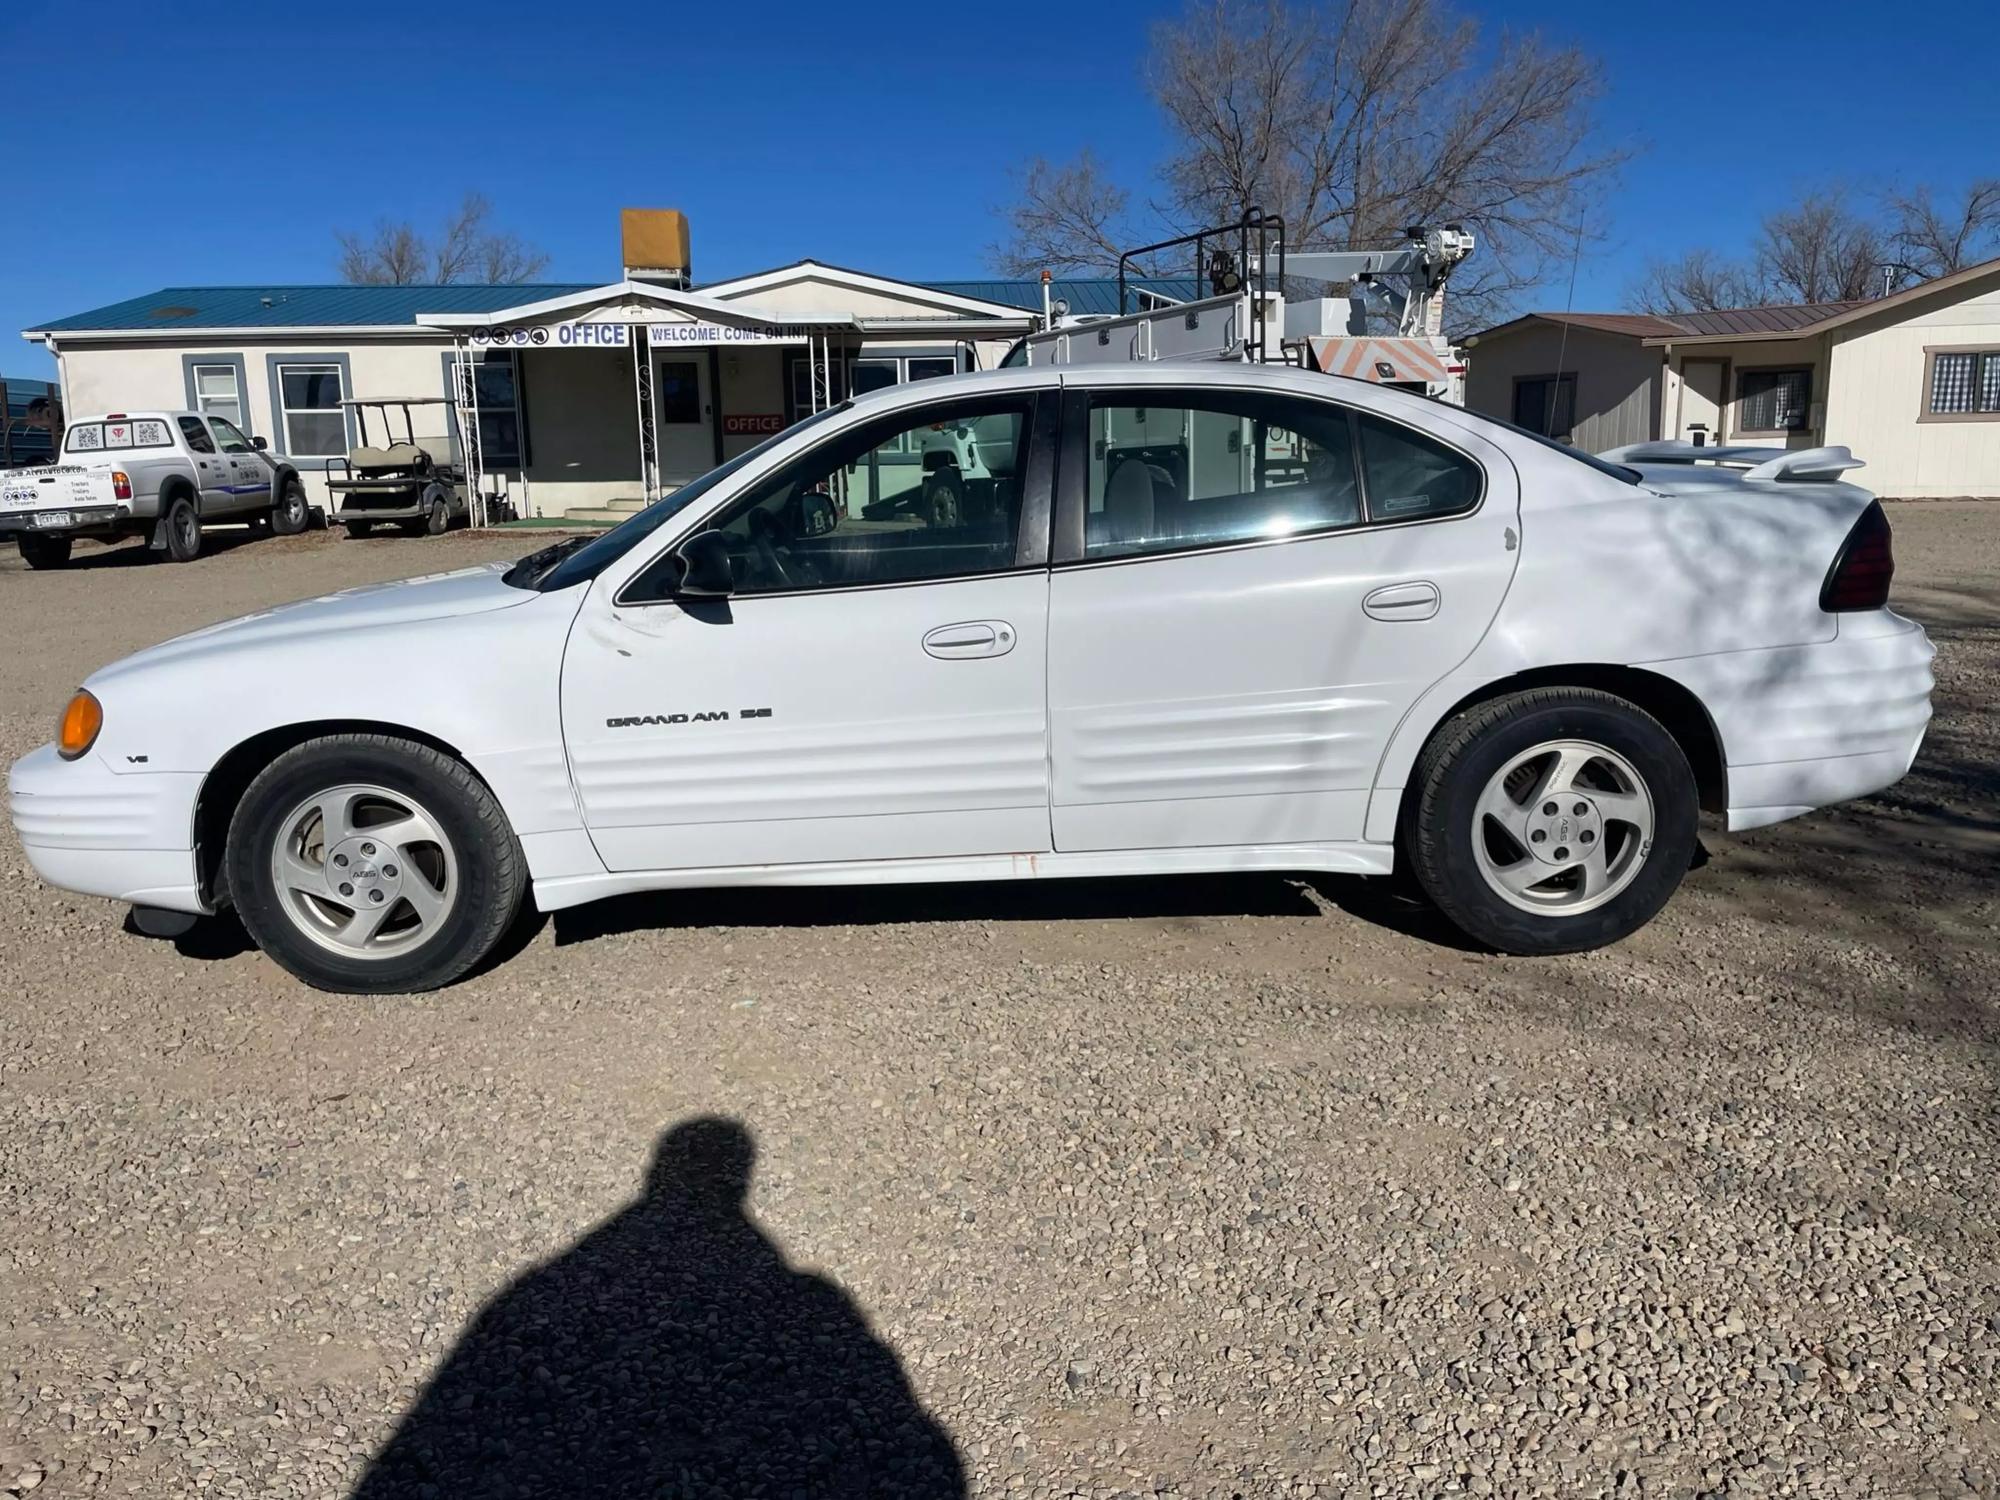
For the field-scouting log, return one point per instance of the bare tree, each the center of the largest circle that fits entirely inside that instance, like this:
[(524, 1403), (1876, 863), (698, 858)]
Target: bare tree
[(1699, 281), (1820, 250), (1354, 119), (1935, 239), (1067, 217), (397, 254)]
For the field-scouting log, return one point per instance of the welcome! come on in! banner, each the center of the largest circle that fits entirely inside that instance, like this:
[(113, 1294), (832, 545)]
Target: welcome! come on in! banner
[(582, 335)]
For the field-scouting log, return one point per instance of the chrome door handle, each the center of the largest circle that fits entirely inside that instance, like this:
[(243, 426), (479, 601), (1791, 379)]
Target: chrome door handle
[(970, 638), (1402, 601)]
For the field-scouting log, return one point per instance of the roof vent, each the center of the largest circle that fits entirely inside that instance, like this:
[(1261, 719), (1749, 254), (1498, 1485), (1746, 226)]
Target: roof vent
[(173, 310)]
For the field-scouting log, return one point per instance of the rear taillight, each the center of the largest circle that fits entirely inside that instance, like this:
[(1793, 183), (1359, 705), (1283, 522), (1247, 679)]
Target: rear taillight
[(121, 484), (1860, 575)]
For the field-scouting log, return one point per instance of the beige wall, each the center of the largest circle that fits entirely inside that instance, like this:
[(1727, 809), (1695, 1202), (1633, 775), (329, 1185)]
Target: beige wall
[(583, 429), (1617, 380), (1878, 396)]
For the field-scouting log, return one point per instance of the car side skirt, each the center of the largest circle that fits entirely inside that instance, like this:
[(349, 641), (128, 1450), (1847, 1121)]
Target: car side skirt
[(1343, 859)]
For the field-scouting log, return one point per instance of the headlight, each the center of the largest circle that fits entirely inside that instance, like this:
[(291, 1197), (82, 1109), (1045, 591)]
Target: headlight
[(81, 720)]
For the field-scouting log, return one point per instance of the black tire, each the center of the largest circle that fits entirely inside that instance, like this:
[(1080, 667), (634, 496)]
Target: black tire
[(182, 528), (45, 551), (290, 515), (944, 501), (1467, 752), (437, 520), (492, 872), (358, 529)]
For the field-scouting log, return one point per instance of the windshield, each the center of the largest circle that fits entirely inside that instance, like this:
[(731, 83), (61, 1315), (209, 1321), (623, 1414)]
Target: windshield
[(581, 558)]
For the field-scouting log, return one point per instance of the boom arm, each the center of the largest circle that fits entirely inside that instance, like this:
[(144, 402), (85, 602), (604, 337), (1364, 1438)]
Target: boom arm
[(1407, 280)]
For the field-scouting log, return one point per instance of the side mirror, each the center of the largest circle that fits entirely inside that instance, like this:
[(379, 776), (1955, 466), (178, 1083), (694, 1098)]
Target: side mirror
[(705, 570), (259, 444)]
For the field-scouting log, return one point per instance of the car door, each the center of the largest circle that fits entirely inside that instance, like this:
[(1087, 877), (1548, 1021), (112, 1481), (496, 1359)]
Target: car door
[(211, 470), (873, 687), (249, 471), (1251, 587)]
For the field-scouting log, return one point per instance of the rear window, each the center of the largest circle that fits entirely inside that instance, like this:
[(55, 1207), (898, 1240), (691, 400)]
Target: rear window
[(98, 437)]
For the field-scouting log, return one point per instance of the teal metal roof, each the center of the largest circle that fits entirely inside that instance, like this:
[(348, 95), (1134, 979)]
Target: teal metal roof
[(1084, 294), (393, 306), (300, 306)]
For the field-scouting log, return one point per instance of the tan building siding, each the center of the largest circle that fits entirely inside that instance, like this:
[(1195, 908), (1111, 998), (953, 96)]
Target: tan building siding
[(1617, 381), (1879, 399)]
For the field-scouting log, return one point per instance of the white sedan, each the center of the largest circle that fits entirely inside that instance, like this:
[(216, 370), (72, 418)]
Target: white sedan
[(1173, 619)]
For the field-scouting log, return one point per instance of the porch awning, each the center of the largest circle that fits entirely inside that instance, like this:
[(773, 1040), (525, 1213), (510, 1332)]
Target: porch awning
[(1384, 361)]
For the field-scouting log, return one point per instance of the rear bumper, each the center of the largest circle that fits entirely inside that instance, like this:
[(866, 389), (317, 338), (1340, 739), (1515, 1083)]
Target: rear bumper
[(87, 829), (1803, 727), (86, 519)]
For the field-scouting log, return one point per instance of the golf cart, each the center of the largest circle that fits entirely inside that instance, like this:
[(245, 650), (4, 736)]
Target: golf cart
[(965, 463), (404, 483)]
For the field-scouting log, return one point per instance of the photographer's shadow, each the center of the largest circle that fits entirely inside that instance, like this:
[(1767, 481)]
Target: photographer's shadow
[(672, 1352)]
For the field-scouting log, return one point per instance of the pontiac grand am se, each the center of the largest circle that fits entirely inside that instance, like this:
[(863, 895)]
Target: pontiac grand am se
[(1027, 624)]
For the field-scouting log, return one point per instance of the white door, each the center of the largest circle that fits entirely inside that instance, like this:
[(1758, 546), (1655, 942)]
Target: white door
[(871, 689), (1257, 588), (683, 414), (1701, 401)]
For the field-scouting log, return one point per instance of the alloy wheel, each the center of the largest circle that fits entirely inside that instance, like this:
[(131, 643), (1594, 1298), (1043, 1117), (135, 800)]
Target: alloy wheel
[(1563, 827), (364, 871)]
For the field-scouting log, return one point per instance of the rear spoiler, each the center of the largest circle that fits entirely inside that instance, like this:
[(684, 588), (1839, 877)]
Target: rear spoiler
[(1803, 465)]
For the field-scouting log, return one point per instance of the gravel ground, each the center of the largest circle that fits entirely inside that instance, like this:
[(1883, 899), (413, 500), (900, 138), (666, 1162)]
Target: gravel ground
[(1245, 1187)]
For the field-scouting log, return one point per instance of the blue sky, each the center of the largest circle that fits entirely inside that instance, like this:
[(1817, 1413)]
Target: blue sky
[(159, 144)]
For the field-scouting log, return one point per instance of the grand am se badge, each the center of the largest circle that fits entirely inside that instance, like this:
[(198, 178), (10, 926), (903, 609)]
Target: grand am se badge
[(716, 716)]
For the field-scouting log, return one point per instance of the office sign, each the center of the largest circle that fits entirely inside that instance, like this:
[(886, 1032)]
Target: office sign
[(719, 335), (576, 335), (736, 424)]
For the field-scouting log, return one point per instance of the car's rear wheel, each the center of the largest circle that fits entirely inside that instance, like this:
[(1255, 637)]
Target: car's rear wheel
[(289, 516), (45, 551), (371, 865), (181, 530), (1552, 821)]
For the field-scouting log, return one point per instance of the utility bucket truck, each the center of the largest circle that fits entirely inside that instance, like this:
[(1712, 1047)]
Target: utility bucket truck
[(1247, 268)]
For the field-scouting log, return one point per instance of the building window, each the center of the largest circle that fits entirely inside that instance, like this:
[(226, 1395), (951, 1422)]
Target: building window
[(1964, 383), (502, 442), (218, 392), (309, 397), (1772, 400), (1546, 404)]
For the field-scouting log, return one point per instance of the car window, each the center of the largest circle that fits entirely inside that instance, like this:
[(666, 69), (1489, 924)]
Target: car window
[(933, 492), (1411, 477), (1215, 467), (231, 439), (197, 435)]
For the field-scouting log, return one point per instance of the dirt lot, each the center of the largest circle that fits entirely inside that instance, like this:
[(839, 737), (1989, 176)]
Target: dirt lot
[(1202, 1187)]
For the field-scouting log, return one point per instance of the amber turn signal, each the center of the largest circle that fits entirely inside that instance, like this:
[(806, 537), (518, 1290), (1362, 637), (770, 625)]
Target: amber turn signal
[(80, 722)]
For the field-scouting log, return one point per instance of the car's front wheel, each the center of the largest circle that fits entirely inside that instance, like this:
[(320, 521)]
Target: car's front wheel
[(1552, 821), (372, 865)]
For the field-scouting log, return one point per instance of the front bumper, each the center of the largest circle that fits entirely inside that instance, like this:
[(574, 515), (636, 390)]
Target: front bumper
[(88, 829)]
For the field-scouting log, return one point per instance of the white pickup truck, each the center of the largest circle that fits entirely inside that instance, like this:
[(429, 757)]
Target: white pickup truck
[(158, 475)]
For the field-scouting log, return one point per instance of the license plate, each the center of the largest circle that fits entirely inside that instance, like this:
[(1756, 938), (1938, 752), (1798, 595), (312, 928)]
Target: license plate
[(47, 518)]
